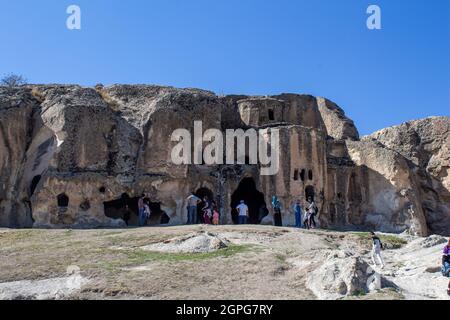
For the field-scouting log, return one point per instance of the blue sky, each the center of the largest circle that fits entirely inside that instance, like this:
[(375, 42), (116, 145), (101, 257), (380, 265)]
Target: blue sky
[(321, 47)]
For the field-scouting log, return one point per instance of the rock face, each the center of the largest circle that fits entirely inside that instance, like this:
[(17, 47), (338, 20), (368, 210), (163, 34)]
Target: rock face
[(79, 157)]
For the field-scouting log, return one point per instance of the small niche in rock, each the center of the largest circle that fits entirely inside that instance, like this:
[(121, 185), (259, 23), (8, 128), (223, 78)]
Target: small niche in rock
[(102, 189), (63, 200), (85, 206)]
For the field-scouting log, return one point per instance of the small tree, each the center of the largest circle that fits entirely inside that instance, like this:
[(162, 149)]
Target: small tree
[(13, 80)]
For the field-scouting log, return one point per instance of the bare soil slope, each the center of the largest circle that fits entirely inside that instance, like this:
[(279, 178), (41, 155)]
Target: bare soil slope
[(206, 262)]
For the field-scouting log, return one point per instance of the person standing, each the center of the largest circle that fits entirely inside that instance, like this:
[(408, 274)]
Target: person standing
[(298, 214), (376, 250), (276, 204), (216, 218), (242, 209), (312, 211), (192, 203), (141, 209), (207, 211), (446, 264), (216, 214), (147, 212)]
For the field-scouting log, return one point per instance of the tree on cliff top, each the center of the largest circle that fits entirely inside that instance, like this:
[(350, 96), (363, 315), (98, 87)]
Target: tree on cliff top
[(13, 80)]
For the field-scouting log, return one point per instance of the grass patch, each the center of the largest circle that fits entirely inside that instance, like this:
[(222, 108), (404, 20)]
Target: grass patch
[(139, 256), (389, 241)]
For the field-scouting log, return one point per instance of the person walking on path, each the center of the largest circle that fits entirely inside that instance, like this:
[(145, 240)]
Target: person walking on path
[(377, 246), (298, 214), (192, 203), (242, 209), (276, 205)]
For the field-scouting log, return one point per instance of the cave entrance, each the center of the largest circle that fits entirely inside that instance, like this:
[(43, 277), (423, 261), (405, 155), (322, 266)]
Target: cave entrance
[(202, 193), (309, 193), (124, 208), (254, 199), (157, 216)]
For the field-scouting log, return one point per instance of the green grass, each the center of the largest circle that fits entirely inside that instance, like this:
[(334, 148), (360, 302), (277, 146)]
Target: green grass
[(139, 256), (389, 241)]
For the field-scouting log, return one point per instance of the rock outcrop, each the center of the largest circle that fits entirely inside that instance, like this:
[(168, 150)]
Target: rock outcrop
[(79, 157)]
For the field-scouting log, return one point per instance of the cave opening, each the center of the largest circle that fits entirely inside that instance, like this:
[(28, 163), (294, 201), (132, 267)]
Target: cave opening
[(253, 198), (296, 174), (157, 216), (310, 193), (302, 174), (124, 208), (63, 200), (202, 193)]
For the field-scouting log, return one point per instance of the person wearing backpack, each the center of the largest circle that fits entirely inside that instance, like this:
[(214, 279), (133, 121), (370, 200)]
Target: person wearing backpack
[(377, 246), (312, 211), (446, 264)]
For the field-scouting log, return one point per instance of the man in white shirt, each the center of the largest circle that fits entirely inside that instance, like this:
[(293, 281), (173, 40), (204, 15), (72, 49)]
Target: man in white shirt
[(243, 213), (192, 203)]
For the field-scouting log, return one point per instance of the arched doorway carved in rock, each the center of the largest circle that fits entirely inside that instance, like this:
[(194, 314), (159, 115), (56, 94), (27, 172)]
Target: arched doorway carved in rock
[(253, 198), (310, 193)]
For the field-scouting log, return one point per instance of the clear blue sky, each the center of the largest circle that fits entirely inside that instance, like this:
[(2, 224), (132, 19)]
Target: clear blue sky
[(320, 47)]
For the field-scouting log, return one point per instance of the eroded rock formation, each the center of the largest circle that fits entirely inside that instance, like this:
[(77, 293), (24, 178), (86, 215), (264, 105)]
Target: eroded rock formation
[(79, 157)]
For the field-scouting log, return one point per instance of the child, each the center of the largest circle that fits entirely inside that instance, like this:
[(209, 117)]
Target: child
[(216, 217)]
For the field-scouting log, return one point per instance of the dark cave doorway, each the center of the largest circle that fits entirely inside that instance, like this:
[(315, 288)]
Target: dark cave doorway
[(157, 216), (310, 193), (125, 208), (202, 193), (253, 198)]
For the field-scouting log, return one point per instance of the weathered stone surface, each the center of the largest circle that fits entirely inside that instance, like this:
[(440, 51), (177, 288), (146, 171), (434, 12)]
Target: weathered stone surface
[(79, 157), (337, 124), (424, 142), (339, 276)]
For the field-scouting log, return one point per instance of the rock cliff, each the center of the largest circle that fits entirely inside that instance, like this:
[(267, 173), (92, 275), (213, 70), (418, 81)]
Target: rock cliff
[(79, 157)]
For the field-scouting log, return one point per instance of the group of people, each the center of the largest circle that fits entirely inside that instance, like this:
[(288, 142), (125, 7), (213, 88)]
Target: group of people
[(209, 210), (307, 221)]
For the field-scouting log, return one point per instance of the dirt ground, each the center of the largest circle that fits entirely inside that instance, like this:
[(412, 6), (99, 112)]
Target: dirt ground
[(259, 262)]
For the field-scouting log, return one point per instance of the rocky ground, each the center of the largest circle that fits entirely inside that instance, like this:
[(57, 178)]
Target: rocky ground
[(206, 262)]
